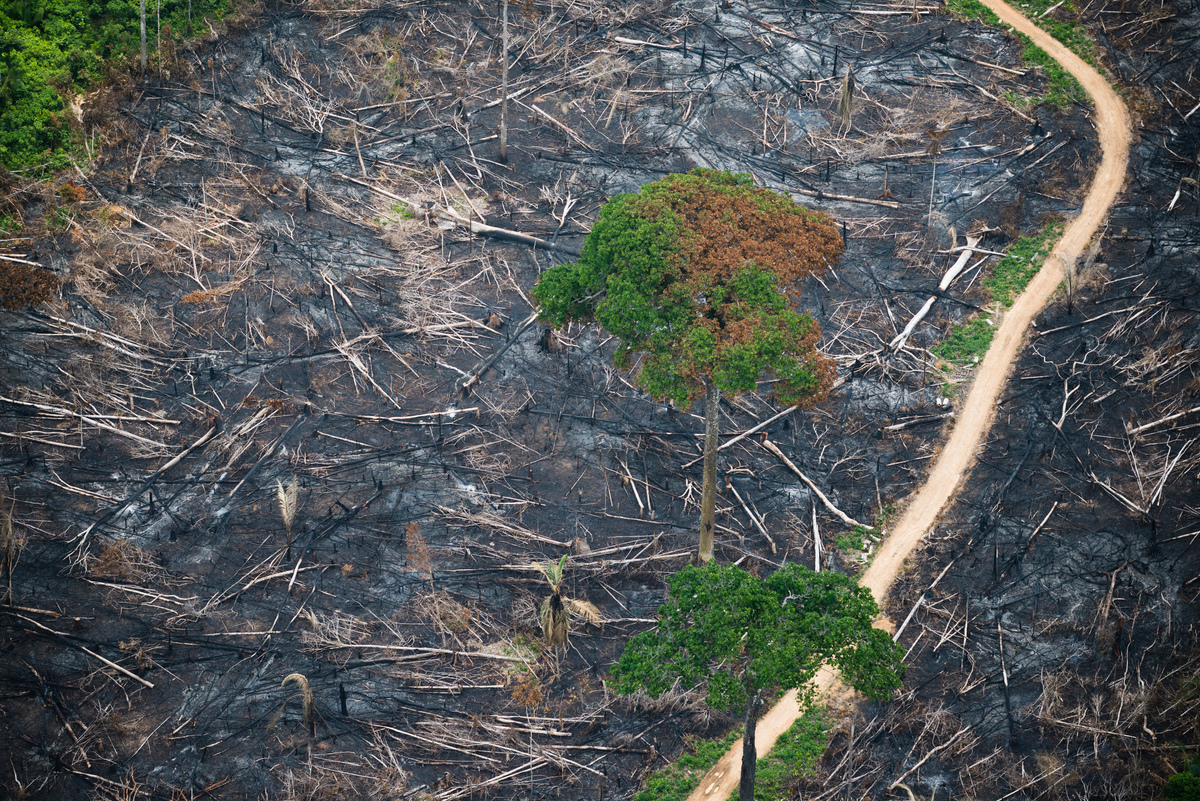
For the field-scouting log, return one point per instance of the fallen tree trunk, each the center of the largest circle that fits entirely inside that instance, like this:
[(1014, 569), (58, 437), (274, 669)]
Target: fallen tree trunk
[(955, 270), (845, 518)]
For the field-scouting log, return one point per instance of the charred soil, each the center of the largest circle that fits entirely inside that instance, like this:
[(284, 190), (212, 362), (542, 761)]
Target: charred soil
[(267, 284)]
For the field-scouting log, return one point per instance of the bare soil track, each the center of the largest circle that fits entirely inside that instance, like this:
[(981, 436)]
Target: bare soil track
[(975, 419)]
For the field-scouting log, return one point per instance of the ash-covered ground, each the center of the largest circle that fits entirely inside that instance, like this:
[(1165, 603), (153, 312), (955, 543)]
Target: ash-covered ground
[(268, 284)]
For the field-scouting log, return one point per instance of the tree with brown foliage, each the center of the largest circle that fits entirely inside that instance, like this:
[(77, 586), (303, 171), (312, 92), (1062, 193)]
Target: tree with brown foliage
[(700, 272)]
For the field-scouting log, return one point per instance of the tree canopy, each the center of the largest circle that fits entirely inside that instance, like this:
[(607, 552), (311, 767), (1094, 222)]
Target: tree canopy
[(735, 635), (700, 271)]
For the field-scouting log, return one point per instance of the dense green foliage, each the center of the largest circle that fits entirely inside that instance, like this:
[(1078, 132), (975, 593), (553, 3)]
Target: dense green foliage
[(676, 781), (1185, 785), (52, 50), (735, 635), (794, 754), (699, 271)]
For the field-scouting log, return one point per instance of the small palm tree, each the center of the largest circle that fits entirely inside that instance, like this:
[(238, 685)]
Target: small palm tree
[(556, 610)]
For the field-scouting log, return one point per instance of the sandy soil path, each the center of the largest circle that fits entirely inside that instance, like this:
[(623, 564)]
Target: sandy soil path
[(975, 418)]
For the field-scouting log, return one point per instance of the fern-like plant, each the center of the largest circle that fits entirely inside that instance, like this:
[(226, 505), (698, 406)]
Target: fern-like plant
[(288, 504), (556, 610)]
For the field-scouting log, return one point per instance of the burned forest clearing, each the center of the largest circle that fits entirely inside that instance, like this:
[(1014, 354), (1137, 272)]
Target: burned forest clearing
[(290, 461)]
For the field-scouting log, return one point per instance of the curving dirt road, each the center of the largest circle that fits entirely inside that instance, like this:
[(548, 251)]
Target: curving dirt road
[(975, 417)]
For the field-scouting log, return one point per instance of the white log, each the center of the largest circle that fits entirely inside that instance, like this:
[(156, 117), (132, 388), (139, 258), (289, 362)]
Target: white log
[(955, 270), (845, 518)]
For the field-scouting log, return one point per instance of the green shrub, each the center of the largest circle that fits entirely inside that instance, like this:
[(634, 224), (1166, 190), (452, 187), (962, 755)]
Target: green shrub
[(794, 754), (1021, 263), (1182, 787), (851, 540)]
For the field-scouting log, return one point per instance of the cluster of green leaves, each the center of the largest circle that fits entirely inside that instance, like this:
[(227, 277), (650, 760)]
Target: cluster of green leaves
[(676, 781), (856, 538), (735, 635), (1021, 263), (794, 754), (1062, 89), (1185, 785), (54, 49), (695, 271)]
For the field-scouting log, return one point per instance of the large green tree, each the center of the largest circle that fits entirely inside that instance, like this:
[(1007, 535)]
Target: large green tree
[(739, 637), (700, 272)]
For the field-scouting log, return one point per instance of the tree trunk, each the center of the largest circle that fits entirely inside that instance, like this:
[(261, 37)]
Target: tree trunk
[(708, 500), (749, 751), (504, 91), (143, 17)]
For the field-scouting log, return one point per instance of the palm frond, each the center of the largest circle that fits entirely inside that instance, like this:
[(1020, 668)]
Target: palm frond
[(555, 622), (553, 572), (306, 698), (585, 609), (844, 101), (288, 498)]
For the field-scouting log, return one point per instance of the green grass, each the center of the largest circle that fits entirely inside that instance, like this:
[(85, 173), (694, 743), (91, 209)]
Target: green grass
[(851, 540), (858, 538), (1061, 87), (1021, 263), (52, 50), (676, 781), (794, 754), (967, 341), (1062, 90)]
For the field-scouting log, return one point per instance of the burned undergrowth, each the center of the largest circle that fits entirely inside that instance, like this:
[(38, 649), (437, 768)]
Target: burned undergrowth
[(1051, 622), (290, 417)]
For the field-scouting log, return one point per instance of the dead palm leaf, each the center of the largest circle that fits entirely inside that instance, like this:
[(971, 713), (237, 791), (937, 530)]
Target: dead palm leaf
[(555, 622), (306, 702), (555, 612), (288, 504), (585, 609), (844, 101)]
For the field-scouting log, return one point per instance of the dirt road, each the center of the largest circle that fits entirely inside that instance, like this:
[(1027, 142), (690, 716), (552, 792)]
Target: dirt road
[(975, 417)]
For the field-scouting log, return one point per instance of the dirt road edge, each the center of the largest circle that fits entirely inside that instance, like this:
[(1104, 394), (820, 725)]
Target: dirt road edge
[(975, 418)]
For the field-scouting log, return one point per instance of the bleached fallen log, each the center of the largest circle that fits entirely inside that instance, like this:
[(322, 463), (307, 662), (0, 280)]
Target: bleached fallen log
[(838, 513), (476, 227), (820, 195), (65, 638), (496, 523), (746, 433), (570, 134), (921, 600), (955, 270), (753, 518), (1133, 432), (120, 510), (94, 420)]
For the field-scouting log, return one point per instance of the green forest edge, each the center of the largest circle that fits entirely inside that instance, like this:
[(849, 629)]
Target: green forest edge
[(52, 50), (794, 754)]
